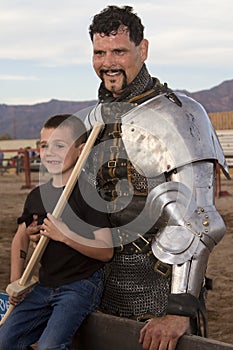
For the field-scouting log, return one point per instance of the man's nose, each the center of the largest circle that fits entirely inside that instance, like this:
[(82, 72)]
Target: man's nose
[(109, 60)]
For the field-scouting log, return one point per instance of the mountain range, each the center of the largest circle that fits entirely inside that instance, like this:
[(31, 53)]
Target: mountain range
[(25, 121)]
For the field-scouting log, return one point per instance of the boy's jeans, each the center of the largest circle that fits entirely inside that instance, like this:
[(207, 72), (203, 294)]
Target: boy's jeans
[(51, 316)]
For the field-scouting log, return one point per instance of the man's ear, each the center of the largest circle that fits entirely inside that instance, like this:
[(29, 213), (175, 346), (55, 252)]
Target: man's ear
[(144, 49)]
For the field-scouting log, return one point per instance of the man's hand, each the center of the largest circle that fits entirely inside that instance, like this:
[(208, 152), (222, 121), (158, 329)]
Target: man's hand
[(33, 230), (15, 300), (163, 333)]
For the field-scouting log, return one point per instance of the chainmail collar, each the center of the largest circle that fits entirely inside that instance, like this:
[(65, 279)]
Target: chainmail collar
[(139, 85)]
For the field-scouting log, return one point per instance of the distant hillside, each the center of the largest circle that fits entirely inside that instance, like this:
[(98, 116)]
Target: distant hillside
[(216, 99), (25, 122)]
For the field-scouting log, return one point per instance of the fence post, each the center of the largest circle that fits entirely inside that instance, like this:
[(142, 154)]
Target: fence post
[(27, 171)]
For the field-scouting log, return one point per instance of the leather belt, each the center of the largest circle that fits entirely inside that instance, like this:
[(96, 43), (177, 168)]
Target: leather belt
[(142, 245)]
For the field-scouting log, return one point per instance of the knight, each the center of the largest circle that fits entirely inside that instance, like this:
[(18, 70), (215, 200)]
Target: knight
[(153, 166)]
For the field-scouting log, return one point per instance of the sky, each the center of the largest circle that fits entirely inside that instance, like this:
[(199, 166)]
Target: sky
[(46, 52)]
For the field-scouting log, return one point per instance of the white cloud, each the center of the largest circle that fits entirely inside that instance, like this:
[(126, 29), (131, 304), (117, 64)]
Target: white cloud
[(17, 77), (44, 31)]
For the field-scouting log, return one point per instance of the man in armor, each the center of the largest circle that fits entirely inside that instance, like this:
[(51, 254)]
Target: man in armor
[(154, 164)]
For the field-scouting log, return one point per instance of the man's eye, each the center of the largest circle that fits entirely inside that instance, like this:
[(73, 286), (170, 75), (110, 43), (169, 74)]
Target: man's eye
[(119, 52), (43, 146), (99, 53)]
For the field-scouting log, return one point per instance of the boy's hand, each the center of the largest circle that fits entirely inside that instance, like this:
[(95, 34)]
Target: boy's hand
[(53, 228)]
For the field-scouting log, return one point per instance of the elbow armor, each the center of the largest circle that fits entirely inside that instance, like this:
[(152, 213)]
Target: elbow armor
[(186, 224), (191, 224)]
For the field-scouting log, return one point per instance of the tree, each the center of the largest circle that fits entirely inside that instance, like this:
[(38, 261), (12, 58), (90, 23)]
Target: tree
[(5, 136)]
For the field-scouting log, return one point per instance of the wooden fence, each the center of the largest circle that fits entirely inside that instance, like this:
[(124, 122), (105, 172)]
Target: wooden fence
[(103, 332), (222, 120), (226, 141), (25, 166)]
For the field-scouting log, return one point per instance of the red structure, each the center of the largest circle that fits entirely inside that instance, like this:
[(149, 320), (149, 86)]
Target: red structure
[(26, 165)]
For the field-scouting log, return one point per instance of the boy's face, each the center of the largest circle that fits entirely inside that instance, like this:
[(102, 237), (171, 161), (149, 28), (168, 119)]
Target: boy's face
[(57, 150)]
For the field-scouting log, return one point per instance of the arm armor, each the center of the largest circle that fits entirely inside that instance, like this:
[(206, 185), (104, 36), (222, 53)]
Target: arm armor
[(192, 226)]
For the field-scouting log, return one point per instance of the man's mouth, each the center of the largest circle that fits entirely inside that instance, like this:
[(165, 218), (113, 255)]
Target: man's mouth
[(111, 72)]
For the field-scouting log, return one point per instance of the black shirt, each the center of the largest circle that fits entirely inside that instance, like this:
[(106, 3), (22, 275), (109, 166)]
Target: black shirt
[(61, 264)]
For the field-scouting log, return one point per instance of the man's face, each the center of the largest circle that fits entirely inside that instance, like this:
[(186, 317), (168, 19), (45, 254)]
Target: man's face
[(117, 60)]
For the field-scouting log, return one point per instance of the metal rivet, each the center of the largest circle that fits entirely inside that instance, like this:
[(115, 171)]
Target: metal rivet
[(205, 223)]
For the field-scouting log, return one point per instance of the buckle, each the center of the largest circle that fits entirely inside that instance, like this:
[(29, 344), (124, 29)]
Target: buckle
[(112, 163), (115, 134), (144, 241), (162, 268), (114, 194)]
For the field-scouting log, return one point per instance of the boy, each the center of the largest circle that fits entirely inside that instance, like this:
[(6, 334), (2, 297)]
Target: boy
[(70, 277)]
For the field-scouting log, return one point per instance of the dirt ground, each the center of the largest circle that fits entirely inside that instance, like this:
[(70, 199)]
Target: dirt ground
[(220, 267)]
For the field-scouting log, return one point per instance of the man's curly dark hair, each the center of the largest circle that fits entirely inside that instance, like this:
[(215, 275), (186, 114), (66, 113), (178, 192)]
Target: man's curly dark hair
[(112, 17)]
